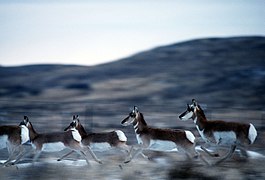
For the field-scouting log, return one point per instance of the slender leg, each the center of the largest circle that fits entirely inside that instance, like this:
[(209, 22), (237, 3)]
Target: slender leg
[(229, 154), (92, 154), (209, 153), (21, 155), (36, 156), (243, 152), (85, 155), (136, 153), (12, 153), (144, 156), (64, 156)]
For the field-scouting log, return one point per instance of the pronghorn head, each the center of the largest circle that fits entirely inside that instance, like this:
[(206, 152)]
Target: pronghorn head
[(131, 117), (74, 124), (189, 113), (25, 122)]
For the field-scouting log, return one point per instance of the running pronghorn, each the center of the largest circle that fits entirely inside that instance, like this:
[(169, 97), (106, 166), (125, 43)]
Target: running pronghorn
[(98, 141), (159, 139), (220, 132), (56, 141), (13, 137)]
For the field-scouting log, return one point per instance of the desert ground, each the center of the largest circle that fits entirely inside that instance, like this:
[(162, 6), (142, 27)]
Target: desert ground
[(162, 165)]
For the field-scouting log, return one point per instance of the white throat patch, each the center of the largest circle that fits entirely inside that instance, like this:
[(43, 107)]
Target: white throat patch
[(24, 134), (76, 135)]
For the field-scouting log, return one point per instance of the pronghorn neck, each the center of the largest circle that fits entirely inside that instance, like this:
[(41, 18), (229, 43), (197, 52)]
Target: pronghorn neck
[(139, 123), (199, 118), (81, 131), (32, 133)]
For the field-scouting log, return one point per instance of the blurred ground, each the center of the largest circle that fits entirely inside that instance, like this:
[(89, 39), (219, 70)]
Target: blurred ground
[(106, 117)]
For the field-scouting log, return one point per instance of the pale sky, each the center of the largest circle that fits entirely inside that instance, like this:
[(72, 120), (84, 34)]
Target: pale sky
[(90, 32)]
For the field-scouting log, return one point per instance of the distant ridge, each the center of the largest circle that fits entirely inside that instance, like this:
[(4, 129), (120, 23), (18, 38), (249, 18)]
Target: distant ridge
[(221, 71)]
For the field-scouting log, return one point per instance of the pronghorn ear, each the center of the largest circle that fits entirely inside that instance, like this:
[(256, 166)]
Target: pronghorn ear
[(73, 117), (135, 109), (194, 102), (26, 119), (77, 118)]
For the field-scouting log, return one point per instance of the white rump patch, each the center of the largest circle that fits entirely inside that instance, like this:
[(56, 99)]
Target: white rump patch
[(3, 141), (53, 147), (76, 135), (24, 134), (225, 137), (100, 146), (190, 136), (252, 133), (121, 135), (159, 145)]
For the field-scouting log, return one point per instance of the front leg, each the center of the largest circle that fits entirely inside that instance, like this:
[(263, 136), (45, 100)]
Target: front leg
[(64, 156), (138, 149), (228, 155), (22, 152), (87, 148)]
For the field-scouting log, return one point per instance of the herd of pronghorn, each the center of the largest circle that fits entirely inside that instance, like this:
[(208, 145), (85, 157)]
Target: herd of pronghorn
[(74, 137)]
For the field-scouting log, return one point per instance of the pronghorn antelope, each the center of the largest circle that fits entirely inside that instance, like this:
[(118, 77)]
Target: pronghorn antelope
[(56, 141), (13, 137), (159, 139), (98, 141), (220, 132)]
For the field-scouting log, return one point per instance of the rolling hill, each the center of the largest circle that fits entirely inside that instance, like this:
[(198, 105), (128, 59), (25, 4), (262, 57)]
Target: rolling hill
[(219, 71)]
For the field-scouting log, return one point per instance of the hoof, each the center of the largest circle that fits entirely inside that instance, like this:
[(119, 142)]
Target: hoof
[(126, 162), (100, 162)]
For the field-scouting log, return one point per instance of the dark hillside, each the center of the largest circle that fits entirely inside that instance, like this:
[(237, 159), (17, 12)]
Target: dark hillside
[(224, 71)]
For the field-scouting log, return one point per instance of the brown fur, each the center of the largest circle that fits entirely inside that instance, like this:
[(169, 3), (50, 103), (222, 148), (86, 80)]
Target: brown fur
[(13, 133), (65, 137), (240, 129), (177, 136)]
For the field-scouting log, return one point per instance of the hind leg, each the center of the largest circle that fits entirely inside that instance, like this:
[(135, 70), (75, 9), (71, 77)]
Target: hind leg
[(209, 153), (243, 152), (192, 154), (228, 155)]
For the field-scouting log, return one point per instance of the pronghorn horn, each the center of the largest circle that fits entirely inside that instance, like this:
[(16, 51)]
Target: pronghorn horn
[(194, 102), (135, 108), (26, 118)]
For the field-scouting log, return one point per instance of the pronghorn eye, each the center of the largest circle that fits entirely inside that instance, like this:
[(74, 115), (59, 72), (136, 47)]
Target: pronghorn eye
[(132, 114)]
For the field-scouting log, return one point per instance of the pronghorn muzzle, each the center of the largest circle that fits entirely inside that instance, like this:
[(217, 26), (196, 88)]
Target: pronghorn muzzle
[(124, 122), (182, 115), (67, 128)]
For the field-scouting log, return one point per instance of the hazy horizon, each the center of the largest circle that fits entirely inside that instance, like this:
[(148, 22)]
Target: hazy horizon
[(95, 32)]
